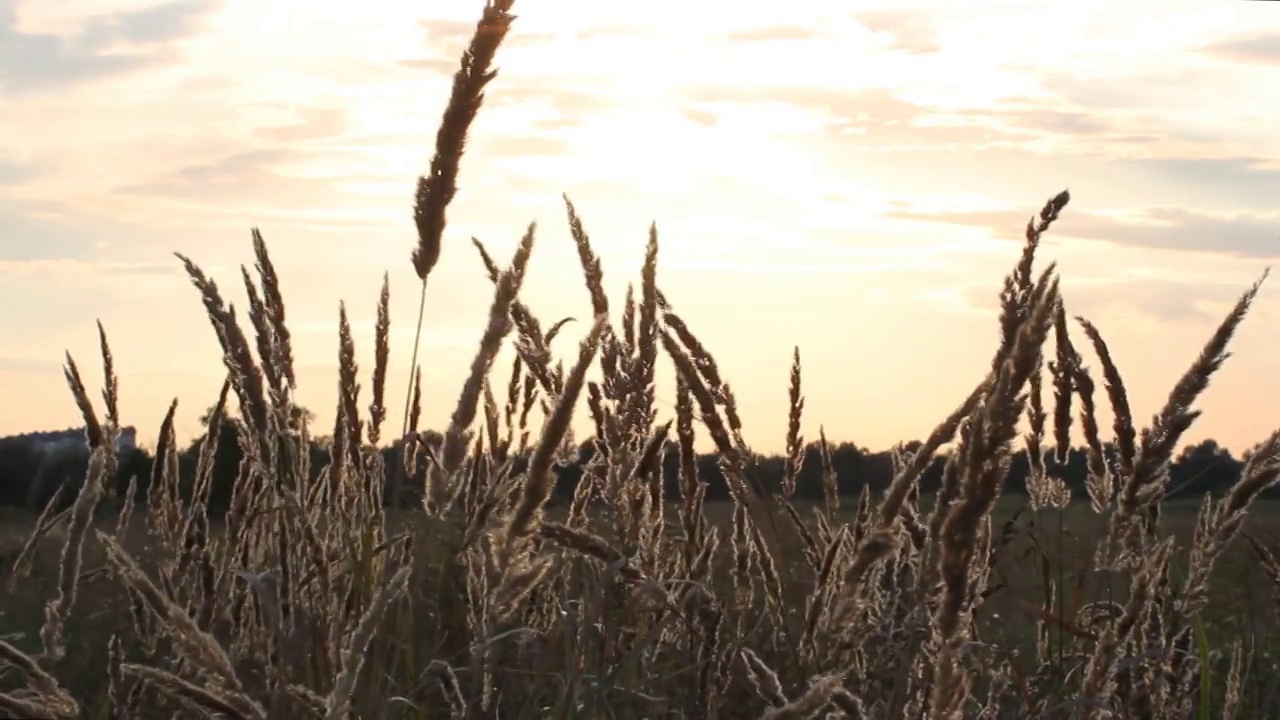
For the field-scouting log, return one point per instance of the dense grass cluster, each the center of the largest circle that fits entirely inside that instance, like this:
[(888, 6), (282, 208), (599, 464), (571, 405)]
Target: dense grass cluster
[(310, 599)]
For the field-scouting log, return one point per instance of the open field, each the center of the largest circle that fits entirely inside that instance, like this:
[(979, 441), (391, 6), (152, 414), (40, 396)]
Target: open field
[(1243, 597)]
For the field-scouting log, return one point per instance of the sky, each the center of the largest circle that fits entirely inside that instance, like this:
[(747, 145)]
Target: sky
[(851, 178)]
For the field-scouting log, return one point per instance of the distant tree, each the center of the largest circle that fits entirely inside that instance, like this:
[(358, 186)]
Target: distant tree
[(1204, 468), (62, 466), (19, 463), (297, 415)]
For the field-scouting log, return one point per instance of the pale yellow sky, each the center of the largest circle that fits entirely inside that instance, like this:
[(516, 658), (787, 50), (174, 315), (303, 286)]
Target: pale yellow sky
[(848, 177)]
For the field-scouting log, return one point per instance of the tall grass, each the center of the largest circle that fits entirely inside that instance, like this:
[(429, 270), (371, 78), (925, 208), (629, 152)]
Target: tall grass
[(311, 600)]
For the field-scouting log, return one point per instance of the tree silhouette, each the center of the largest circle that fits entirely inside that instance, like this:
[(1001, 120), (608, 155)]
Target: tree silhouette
[(297, 415), (1206, 467)]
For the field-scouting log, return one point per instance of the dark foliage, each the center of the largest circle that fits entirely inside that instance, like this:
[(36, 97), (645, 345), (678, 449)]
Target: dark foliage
[(26, 480)]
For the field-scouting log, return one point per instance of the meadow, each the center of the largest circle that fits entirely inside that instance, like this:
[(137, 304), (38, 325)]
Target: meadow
[(311, 597)]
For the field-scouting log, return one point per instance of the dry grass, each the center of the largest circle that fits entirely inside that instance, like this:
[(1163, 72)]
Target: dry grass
[(310, 599)]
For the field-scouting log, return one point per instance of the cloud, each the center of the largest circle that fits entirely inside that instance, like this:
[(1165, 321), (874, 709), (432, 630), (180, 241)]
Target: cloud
[(292, 175), (573, 98), (1145, 93), (1141, 300), (13, 173), (36, 62), (435, 65), (567, 96), (878, 107), (877, 118), (1262, 48), (612, 30), (1070, 129), (774, 269), (158, 23), (1239, 234), (67, 268), (525, 39), (450, 30), (1106, 118), (1247, 179), (1167, 301), (233, 168), (908, 28), (885, 114), (699, 116), (239, 173), (445, 41), (506, 147), (1055, 120), (39, 231), (771, 33), (314, 123)]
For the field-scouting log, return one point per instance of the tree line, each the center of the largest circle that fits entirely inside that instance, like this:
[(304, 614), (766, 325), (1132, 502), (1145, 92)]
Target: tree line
[(30, 479)]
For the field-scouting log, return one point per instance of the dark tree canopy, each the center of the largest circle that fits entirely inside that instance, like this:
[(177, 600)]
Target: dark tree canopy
[(1203, 468)]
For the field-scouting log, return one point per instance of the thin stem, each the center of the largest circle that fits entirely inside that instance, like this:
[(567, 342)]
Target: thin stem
[(413, 364), (1062, 592)]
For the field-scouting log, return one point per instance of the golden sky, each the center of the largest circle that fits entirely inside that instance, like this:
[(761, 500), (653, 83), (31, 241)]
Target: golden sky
[(849, 177)]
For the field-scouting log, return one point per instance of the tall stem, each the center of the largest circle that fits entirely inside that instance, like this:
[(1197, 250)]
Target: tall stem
[(413, 364)]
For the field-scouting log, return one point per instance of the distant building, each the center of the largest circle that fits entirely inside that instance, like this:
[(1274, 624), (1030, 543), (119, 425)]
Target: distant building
[(50, 441)]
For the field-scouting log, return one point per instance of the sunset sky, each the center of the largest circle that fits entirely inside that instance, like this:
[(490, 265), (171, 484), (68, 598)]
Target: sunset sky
[(852, 178)]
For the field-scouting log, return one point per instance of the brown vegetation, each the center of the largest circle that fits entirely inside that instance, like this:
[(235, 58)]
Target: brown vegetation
[(311, 600)]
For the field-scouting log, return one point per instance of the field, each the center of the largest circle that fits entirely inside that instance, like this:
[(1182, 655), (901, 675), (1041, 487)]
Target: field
[(291, 588), (1056, 554)]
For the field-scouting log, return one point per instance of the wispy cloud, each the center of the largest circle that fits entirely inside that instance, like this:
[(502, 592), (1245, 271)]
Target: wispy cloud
[(911, 31), (773, 33), (75, 270), (1236, 181), (309, 124), (1160, 228), (105, 46), (1133, 301), (606, 30), (1262, 48), (240, 173), (36, 230), (12, 173)]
